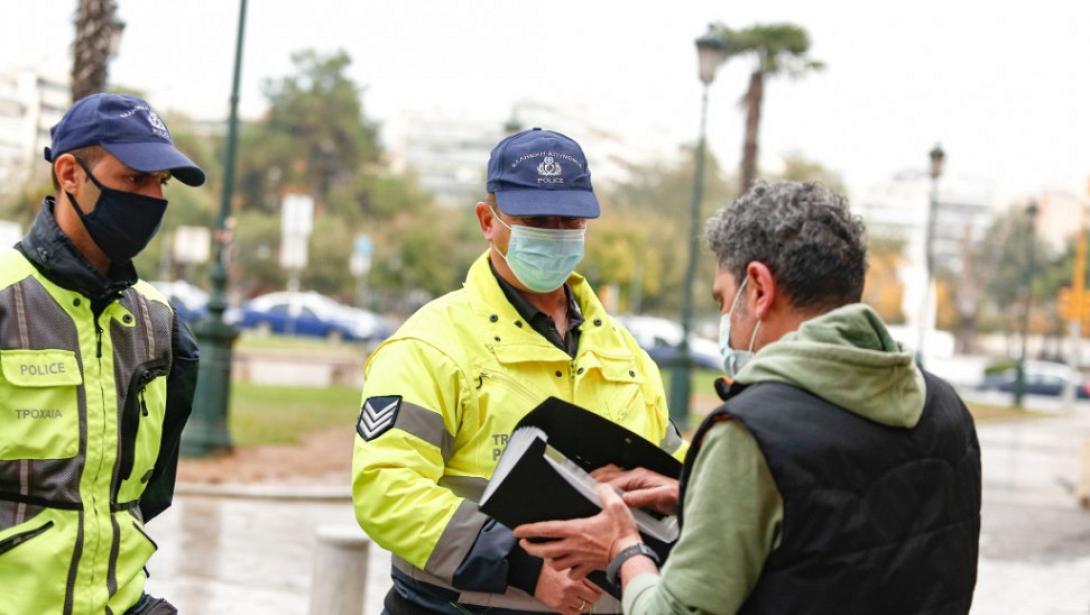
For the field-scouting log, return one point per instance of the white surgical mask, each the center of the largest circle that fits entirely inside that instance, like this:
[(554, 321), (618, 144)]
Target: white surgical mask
[(734, 360), (542, 258)]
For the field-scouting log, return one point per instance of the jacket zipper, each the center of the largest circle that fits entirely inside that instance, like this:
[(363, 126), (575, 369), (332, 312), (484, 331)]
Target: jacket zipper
[(101, 455), (513, 384), (135, 407)]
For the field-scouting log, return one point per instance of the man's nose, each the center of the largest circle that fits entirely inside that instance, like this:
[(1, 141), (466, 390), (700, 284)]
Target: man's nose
[(154, 190)]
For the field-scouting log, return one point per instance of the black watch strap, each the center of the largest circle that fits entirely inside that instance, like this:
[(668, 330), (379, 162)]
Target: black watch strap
[(613, 571)]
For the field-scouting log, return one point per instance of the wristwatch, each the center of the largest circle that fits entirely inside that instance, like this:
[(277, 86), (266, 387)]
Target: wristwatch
[(614, 569)]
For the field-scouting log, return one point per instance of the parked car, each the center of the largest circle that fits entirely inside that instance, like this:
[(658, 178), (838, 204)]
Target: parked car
[(660, 338), (1042, 378), (313, 315), (190, 303)]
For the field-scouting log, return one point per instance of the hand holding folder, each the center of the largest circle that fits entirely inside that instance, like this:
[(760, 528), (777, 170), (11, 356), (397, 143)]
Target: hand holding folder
[(543, 473)]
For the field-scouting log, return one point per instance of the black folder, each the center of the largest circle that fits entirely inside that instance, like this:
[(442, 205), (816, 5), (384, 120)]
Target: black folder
[(593, 441), (534, 481)]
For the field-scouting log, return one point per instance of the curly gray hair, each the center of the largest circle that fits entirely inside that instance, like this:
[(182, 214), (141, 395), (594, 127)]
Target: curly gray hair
[(803, 232)]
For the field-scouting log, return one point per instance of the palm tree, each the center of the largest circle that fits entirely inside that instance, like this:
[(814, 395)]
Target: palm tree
[(97, 33), (779, 48)]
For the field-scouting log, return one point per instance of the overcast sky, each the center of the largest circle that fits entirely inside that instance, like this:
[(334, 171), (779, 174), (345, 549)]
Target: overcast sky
[(1003, 85)]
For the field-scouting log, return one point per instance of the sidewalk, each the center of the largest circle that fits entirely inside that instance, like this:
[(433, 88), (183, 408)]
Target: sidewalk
[(253, 555), (248, 556), (1035, 540)]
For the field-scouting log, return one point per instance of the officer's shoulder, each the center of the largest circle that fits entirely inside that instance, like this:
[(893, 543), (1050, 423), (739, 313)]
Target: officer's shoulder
[(620, 332), (13, 267), (434, 318), (150, 292)]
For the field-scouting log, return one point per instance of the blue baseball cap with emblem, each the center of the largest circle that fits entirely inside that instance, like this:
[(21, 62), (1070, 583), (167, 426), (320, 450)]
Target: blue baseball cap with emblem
[(541, 173), (128, 128)]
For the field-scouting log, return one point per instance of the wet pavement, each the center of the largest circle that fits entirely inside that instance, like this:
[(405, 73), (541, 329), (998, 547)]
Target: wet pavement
[(247, 556), (1035, 540), (254, 555)]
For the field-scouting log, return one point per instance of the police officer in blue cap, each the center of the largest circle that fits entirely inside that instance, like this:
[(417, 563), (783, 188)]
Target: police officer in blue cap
[(442, 395), (96, 374)]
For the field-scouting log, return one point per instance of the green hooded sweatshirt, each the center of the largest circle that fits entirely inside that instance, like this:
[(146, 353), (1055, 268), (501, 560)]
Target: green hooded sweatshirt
[(733, 510)]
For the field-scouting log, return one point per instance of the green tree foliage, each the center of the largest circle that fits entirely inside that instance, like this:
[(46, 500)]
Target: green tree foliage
[(798, 168), (255, 263), (23, 205), (641, 242), (1000, 266), (883, 290), (316, 140), (780, 48)]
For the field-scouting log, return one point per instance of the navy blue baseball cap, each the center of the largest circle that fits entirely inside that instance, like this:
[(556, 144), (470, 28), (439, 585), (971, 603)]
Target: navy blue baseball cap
[(128, 128), (541, 173)]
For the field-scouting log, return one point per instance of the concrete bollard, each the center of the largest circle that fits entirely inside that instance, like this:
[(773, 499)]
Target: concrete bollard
[(1082, 492), (339, 579)]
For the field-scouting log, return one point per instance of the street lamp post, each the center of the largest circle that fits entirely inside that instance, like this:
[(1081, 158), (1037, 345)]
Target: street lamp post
[(938, 157), (206, 431), (1031, 255), (711, 52)]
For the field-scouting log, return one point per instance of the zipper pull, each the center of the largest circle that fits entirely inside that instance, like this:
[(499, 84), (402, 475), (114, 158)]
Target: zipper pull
[(98, 340), (143, 404)]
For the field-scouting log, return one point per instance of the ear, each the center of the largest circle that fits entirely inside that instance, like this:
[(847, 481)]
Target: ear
[(69, 173), (764, 287), (486, 219)]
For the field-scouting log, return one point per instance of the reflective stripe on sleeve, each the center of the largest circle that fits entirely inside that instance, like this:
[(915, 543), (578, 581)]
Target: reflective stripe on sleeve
[(426, 425), (456, 540)]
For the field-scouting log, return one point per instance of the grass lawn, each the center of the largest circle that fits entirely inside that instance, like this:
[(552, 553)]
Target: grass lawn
[(306, 346), (986, 412), (280, 415), (702, 382), (703, 390)]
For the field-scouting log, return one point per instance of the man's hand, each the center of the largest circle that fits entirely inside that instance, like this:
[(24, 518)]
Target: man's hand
[(583, 545), (563, 593), (643, 488)]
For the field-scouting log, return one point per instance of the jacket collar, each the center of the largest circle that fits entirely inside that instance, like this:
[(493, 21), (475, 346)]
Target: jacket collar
[(56, 257), (513, 343)]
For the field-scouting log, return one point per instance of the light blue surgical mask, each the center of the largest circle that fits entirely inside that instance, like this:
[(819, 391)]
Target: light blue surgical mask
[(734, 360), (542, 258)]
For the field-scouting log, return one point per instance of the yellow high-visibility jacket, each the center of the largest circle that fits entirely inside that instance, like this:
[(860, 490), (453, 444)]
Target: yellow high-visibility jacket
[(95, 386), (443, 394)]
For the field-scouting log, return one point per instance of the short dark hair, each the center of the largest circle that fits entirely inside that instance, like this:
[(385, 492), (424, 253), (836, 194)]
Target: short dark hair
[(803, 232), (90, 155)]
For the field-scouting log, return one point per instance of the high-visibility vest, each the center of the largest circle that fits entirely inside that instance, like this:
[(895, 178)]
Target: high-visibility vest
[(446, 391), (82, 403)]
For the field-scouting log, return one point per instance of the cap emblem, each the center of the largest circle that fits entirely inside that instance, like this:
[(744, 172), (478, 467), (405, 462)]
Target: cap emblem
[(157, 125), (549, 167)]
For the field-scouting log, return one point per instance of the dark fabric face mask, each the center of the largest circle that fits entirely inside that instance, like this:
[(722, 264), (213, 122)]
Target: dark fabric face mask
[(122, 223)]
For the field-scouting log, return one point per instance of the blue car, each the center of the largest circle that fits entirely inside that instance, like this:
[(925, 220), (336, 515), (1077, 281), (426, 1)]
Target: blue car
[(190, 303), (311, 314), (1041, 378), (660, 338)]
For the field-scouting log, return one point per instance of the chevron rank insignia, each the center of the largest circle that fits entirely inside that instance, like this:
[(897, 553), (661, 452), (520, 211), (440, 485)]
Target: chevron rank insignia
[(378, 415)]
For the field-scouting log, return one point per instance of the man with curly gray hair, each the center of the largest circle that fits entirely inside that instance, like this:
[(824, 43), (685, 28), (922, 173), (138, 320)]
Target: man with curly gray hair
[(837, 477)]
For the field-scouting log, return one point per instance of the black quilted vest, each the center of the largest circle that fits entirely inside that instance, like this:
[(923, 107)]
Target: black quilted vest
[(877, 520)]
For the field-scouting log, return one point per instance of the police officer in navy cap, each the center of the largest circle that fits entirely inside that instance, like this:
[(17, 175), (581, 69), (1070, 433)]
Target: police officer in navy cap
[(444, 392), (96, 374)]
